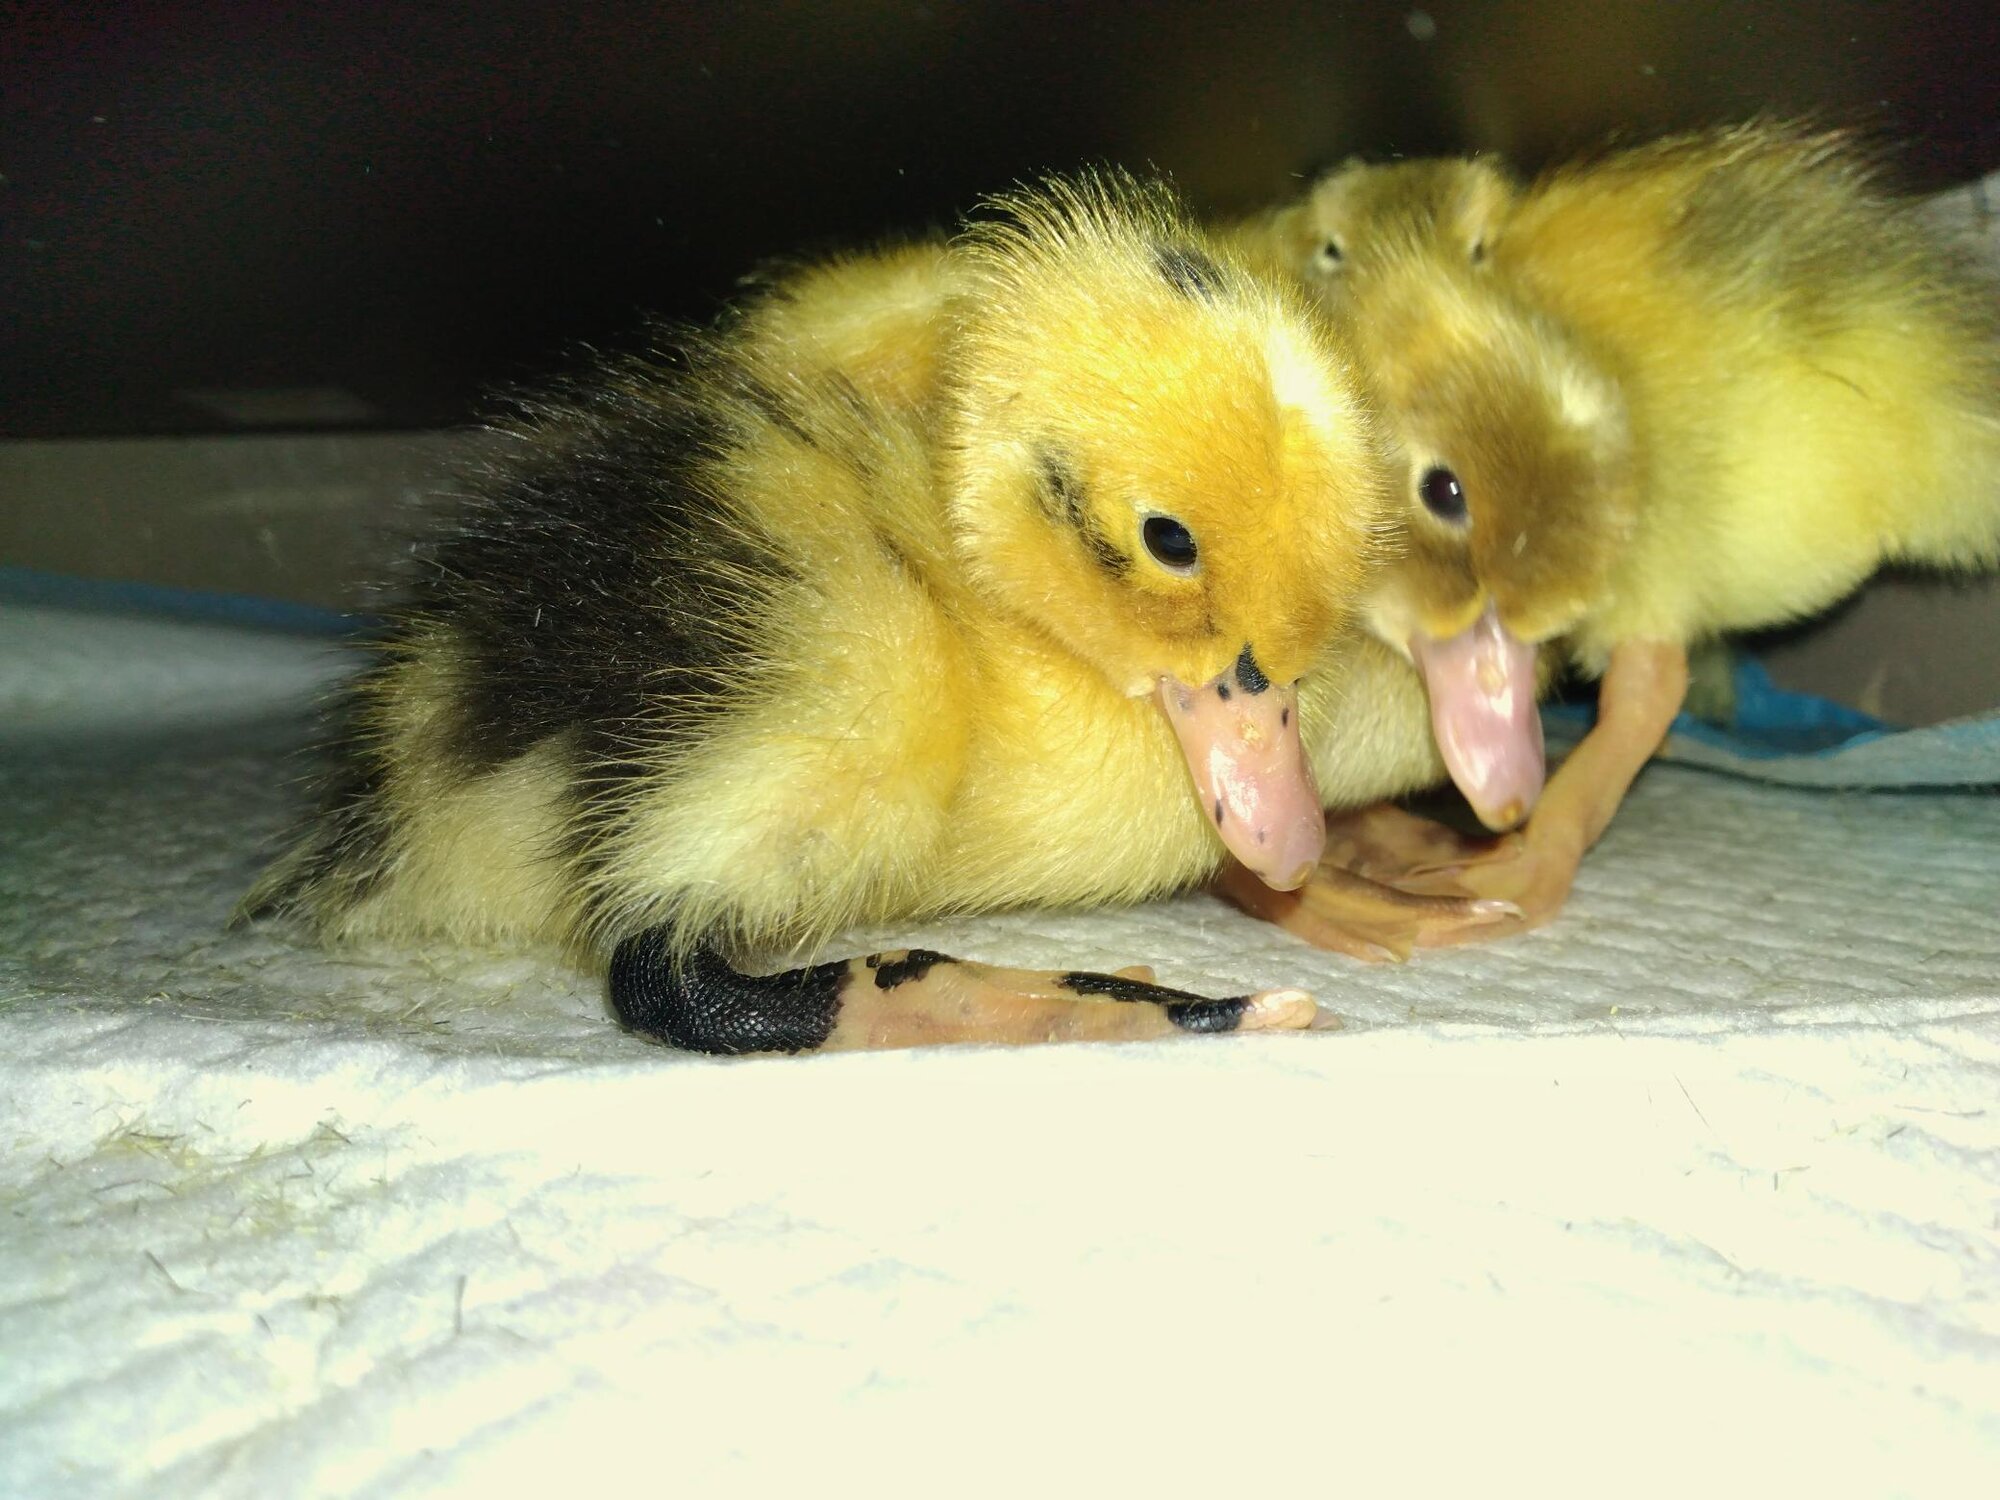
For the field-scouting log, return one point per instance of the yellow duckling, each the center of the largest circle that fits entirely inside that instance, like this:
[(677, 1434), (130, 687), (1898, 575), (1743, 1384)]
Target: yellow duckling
[(735, 650), (1705, 385), (880, 321)]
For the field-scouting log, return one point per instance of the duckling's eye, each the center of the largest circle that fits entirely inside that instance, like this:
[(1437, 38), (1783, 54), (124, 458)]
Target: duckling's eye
[(1478, 250), (1443, 495), (1330, 256), (1171, 543)]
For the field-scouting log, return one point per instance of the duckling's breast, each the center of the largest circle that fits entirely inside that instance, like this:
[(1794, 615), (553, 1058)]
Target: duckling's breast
[(1073, 793)]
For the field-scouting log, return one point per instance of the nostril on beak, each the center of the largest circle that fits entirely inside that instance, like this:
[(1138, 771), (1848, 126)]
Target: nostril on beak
[(1249, 676)]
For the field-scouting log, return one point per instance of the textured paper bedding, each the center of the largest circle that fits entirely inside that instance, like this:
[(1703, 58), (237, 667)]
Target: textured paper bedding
[(1699, 1187)]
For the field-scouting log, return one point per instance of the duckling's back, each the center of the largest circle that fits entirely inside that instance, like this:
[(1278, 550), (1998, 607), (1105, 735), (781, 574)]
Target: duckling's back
[(632, 592), (1814, 379)]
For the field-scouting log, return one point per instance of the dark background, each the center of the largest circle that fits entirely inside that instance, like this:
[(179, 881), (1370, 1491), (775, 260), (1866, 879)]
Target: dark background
[(394, 207)]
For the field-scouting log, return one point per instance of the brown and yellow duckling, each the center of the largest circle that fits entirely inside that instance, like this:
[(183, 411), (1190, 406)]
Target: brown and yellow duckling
[(1701, 386)]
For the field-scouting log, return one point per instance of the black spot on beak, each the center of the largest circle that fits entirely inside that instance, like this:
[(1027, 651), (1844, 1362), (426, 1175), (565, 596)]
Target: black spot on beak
[(1190, 272), (1249, 676)]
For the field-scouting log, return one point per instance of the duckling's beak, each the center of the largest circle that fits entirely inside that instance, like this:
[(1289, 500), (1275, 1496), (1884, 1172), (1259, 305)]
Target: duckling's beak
[(1482, 690), (1240, 734)]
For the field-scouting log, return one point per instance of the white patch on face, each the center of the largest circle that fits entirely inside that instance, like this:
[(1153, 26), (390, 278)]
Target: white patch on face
[(1583, 400), (1299, 382)]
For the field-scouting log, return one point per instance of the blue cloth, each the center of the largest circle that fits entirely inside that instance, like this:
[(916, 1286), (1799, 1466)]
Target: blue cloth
[(117, 597), (1799, 740)]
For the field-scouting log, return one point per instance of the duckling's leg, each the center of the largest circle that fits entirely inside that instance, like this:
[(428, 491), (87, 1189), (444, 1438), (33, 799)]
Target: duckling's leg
[(909, 999), (1642, 690), (1341, 909), (1391, 880), (1533, 867)]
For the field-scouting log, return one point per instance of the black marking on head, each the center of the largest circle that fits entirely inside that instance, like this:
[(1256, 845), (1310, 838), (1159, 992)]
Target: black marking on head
[(1249, 676), (1061, 494), (701, 1003), (1060, 489), (1190, 271), (1108, 557), (1218, 812), (911, 966), (1210, 1016), (1222, 691)]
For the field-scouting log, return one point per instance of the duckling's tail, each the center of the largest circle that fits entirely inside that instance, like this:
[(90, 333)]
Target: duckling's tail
[(336, 862), (698, 1001)]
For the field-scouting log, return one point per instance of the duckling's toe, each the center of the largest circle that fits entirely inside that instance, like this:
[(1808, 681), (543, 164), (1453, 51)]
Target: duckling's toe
[(1531, 877), (1393, 847), (1348, 913), (1286, 1010)]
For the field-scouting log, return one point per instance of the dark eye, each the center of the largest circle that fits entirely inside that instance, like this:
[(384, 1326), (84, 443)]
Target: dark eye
[(1330, 256), (1171, 543), (1478, 251), (1443, 495)]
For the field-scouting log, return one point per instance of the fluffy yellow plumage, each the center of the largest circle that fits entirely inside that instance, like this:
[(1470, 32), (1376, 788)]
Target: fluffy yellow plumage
[(870, 609)]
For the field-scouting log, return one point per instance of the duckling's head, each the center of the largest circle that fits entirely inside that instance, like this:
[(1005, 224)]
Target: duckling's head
[(1366, 222), (1516, 483), (1169, 467)]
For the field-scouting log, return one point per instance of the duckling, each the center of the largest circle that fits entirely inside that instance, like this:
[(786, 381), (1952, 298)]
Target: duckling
[(878, 322), (1705, 385), (733, 651)]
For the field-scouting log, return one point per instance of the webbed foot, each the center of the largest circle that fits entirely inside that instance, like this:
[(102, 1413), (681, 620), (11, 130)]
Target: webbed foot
[(1532, 868), (1503, 885), (1372, 899)]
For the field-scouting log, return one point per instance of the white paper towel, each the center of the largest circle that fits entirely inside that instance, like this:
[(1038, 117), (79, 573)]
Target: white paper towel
[(1698, 1187)]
